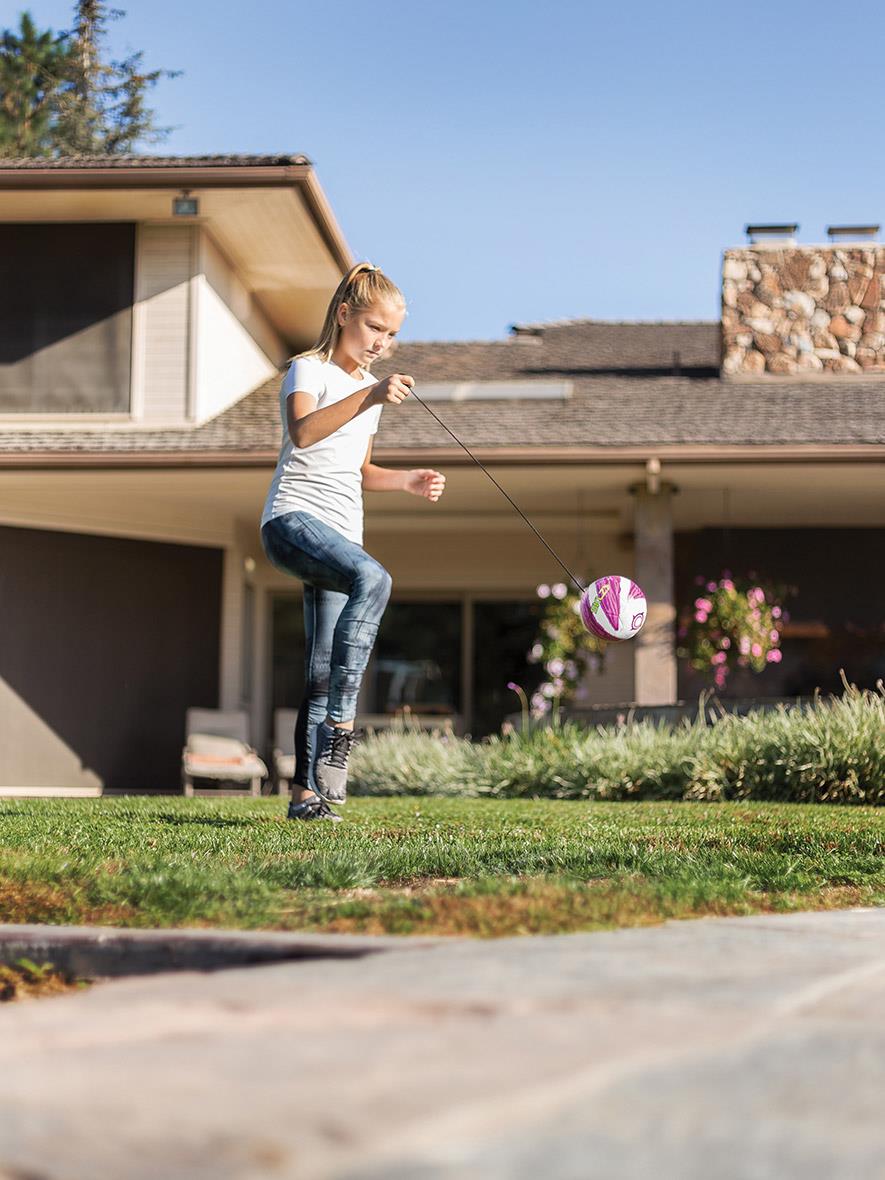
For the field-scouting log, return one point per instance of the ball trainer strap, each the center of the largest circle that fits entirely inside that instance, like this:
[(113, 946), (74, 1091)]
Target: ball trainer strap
[(549, 548)]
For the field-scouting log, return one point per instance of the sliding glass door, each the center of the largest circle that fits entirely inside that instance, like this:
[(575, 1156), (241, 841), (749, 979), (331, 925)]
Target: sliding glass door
[(451, 657)]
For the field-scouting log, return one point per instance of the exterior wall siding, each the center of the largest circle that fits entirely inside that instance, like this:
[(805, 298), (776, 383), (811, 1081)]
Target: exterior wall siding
[(164, 265)]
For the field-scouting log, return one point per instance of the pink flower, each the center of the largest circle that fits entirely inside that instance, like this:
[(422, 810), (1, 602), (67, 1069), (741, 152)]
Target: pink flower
[(727, 584), (701, 616), (756, 650), (725, 642), (744, 645), (720, 676), (773, 636), (703, 604), (711, 586), (775, 612), (774, 656), (543, 590), (718, 657), (559, 590)]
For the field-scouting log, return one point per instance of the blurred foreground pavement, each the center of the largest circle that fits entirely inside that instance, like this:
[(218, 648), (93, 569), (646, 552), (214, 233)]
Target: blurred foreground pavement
[(715, 1049)]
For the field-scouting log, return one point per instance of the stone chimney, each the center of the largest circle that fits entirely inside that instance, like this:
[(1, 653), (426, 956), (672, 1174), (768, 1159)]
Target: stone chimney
[(795, 309)]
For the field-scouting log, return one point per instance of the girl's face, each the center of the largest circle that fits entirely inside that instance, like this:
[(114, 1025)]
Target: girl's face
[(365, 335)]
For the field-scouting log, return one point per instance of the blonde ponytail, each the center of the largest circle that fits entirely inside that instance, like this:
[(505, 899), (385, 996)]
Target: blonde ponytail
[(362, 287)]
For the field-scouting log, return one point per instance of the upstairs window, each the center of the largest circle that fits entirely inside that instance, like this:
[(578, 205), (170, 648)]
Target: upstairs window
[(66, 295)]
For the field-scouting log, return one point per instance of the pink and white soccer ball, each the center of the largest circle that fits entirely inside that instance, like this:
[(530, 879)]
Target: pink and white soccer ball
[(613, 608)]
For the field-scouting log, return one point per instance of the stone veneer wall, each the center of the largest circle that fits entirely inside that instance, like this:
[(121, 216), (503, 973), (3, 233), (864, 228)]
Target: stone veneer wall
[(803, 309)]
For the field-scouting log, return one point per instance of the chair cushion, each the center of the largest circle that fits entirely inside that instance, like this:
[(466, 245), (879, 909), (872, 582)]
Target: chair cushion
[(210, 756), (209, 745)]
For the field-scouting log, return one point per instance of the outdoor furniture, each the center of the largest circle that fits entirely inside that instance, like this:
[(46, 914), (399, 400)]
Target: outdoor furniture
[(217, 747), (284, 749)]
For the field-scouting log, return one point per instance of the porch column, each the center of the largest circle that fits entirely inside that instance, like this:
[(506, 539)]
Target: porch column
[(655, 653), (230, 640)]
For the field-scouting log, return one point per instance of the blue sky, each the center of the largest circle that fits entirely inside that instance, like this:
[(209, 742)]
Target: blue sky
[(516, 162)]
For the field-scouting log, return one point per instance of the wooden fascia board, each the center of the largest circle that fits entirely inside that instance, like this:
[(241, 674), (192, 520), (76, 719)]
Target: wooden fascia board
[(187, 176), (510, 456)]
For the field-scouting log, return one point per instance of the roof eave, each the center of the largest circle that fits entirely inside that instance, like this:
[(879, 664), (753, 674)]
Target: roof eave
[(690, 453), (297, 173)]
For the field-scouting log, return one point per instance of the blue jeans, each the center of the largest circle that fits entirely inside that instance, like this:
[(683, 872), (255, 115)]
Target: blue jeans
[(345, 593)]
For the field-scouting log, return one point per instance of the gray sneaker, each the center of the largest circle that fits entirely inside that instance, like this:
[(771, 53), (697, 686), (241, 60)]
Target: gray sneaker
[(314, 808), (331, 763)]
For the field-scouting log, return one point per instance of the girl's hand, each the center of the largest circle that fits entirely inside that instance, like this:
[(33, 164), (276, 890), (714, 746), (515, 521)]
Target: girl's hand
[(392, 390), (422, 481)]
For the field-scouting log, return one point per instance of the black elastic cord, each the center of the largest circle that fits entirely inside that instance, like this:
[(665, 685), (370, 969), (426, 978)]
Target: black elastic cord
[(549, 549)]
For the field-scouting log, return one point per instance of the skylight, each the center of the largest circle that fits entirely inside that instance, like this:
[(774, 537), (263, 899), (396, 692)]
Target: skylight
[(476, 391)]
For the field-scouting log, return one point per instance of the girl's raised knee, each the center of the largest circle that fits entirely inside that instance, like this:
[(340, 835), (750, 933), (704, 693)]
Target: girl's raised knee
[(374, 581)]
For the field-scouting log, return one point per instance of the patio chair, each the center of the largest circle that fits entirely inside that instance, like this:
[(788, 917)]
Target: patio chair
[(217, 747), (284, 749)]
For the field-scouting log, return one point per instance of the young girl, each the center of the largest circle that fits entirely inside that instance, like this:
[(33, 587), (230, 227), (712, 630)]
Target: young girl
[(312, 523)]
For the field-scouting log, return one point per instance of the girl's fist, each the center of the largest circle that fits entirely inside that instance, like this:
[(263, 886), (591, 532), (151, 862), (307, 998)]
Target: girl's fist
[(421, 481), (393, 389)]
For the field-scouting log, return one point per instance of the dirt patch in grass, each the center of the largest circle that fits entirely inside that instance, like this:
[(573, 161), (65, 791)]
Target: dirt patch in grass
[(31, 901), (450, 907)]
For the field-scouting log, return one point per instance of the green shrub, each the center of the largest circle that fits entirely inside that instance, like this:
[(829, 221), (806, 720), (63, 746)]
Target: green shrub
[(832, 751)]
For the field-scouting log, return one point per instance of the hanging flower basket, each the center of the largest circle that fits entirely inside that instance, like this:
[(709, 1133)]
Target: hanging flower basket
[(733, 623), (563, 646)]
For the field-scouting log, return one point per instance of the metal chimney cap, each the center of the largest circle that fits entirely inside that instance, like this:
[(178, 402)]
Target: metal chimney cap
[(854, 232), (781, 232)]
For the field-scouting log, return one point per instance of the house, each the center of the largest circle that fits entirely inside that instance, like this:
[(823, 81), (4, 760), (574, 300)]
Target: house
[(139, 426)]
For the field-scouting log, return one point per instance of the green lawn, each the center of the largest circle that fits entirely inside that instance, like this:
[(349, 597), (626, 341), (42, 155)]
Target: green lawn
[(429, 866)]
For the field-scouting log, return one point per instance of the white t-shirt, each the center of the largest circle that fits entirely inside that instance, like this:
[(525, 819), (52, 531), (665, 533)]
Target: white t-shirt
[(324, 479)]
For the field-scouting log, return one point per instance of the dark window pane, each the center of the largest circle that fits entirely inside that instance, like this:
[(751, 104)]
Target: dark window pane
[(287, 652), (836, 618), (417, 660), (66, 317), (503, 635)]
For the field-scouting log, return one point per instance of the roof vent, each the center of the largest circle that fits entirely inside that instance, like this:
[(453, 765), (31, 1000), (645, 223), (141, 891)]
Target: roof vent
[(852, 233), (764, 235)]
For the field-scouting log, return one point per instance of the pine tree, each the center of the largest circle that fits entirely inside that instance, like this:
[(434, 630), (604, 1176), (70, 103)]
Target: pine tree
[(92, 107), (33, 68), (102, 109)]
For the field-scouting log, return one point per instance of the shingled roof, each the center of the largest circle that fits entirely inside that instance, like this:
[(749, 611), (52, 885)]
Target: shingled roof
[(134, 161), (633, 384)]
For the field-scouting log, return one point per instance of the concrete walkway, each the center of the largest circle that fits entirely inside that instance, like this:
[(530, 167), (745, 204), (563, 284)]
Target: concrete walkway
[(726, 1049)]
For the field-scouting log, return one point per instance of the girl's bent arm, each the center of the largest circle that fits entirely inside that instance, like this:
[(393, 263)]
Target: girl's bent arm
[(383, 479), (308, 425), (420, 481)]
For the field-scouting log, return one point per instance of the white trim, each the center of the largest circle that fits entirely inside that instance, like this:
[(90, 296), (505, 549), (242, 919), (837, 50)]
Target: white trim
[(120, 423), (193, 311), (137, 351), (50, 792)]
